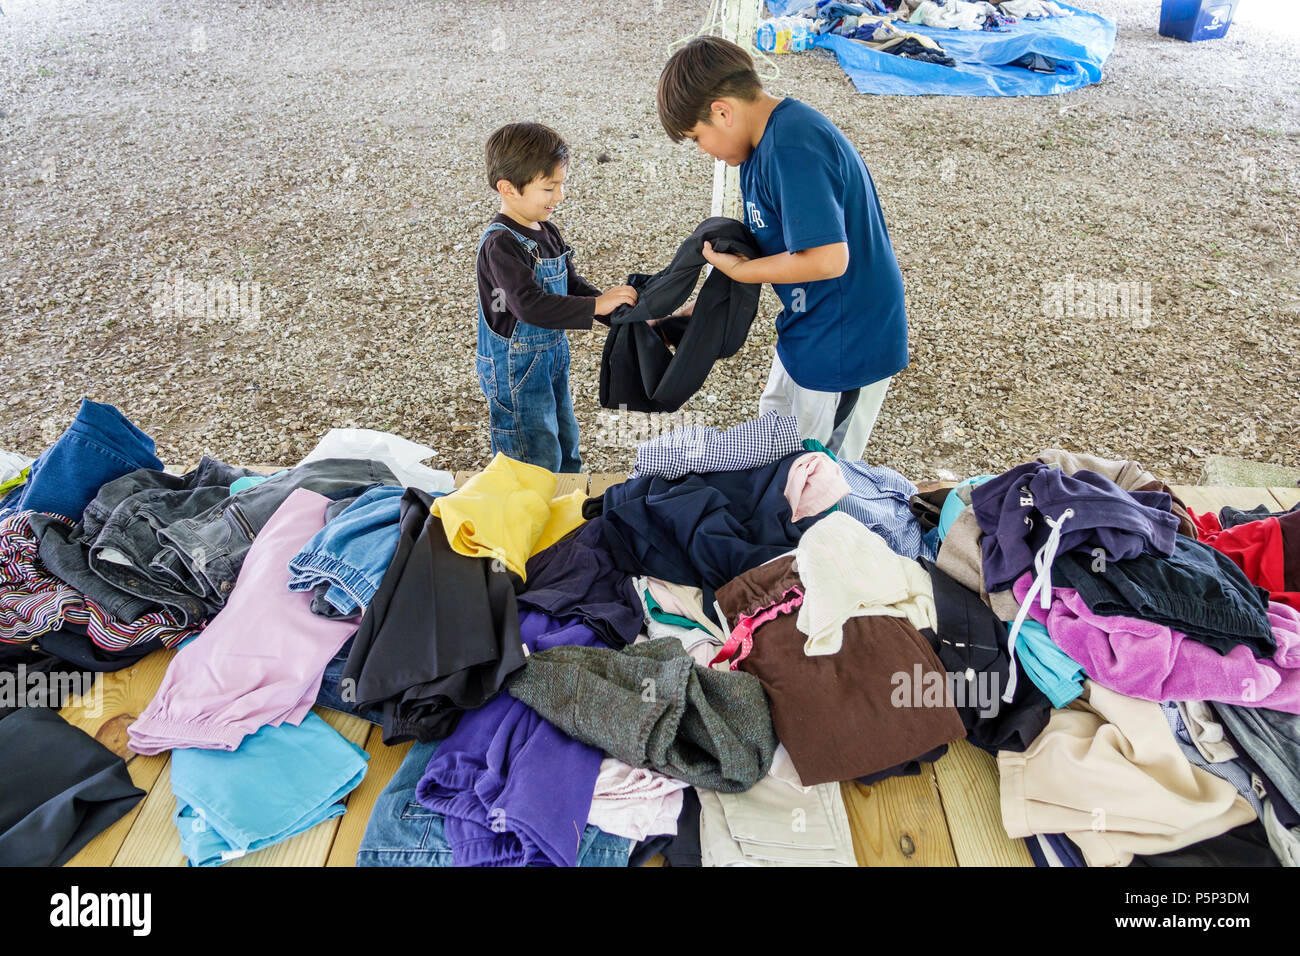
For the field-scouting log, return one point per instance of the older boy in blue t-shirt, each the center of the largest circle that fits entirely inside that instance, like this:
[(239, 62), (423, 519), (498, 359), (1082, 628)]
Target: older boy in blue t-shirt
[(812, 206)]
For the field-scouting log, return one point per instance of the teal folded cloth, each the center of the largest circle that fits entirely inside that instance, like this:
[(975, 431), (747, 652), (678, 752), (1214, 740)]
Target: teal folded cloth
[(279, 782)]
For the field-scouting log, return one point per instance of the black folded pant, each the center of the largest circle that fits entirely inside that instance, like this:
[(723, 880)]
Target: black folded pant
[(59, 788), (1196, 590)]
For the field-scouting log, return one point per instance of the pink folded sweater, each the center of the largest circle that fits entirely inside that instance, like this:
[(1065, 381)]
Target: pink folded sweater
[(1152, 662)]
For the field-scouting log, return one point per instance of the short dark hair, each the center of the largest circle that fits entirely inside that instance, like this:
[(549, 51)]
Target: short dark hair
[(706, 69), (520, 152)]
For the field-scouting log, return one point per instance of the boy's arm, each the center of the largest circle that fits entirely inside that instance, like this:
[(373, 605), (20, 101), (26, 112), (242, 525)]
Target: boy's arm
[(514, 290), (807, 265), (581, 287)]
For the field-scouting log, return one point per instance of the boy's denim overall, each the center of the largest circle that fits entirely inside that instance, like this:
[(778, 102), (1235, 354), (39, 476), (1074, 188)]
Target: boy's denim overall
[(526, 378)]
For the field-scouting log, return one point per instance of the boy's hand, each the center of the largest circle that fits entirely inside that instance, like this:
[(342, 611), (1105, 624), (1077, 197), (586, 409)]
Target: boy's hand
[(611, 300), (684, 312), (725, 262)]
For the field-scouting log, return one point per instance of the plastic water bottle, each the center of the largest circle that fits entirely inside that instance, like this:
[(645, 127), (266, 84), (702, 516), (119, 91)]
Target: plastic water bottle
[(784, 35)]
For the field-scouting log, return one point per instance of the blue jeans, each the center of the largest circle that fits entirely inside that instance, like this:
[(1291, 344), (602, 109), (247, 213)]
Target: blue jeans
[(335, 696), (99, 446), (525, 379), (401, 832)]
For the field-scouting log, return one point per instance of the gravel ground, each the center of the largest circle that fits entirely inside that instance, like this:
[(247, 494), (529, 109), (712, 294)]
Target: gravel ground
[(317, 167)]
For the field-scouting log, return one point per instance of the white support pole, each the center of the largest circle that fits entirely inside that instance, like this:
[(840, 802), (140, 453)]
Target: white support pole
[(739, 24)]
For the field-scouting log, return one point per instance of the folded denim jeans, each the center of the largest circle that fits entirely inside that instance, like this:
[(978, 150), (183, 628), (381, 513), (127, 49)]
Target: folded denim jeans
[(402, 832), (152, 541), (352, 552), (99, 445)]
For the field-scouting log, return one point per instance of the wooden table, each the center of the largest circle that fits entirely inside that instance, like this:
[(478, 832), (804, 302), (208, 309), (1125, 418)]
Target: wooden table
[(947, 816)]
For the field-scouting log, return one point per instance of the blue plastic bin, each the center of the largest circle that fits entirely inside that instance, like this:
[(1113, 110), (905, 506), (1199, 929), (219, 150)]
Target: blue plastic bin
[(1193, 20)]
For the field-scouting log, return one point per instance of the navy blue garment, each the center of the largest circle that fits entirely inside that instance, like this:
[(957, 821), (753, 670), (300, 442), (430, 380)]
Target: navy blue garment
[(972, 641), (336, 695), (1196, 590), (909, 768), (1230, 517), (701, 530), (99, 445), (1246, 845), (577, 576), (804, 186), (1013, 511), (1066, 849)]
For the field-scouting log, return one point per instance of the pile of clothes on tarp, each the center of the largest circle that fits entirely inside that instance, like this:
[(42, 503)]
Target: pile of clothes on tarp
[(959, 47), (681, 665)]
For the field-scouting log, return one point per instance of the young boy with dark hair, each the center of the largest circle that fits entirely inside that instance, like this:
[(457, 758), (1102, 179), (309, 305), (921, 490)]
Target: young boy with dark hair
[(811, 204), (528, 294)]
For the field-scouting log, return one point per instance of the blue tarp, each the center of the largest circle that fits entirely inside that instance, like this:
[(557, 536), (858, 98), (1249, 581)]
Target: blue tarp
[(1080, 44)]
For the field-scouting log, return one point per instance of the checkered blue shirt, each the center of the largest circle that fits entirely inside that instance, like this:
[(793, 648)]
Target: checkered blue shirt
[(880, 501), (701, 448)]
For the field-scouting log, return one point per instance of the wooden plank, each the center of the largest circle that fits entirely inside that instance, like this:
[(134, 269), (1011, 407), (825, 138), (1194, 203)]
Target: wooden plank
[(1205, 499), (114, 703), (567, 484), (898, 822), (1286, 497), (154, 841), (384, 762), (600, 482), (969, 787)]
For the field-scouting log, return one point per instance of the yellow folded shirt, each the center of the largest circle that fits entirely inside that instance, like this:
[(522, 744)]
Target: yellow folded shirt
[(566, 514), (499, 513)]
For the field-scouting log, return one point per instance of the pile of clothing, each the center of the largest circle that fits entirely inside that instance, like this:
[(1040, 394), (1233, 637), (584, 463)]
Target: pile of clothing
[(997, 48), (685, 665), (880, 25)]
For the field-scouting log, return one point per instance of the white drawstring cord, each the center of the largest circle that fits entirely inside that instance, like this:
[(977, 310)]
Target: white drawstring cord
[(1042, 586)]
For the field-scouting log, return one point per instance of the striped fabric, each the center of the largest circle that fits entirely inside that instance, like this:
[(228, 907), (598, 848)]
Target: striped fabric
[(34, 602)]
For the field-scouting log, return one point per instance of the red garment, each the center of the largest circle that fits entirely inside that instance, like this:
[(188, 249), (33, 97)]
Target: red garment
[(1267, 551)]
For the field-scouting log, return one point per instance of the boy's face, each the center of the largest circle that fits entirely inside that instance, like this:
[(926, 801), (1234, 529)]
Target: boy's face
[(537, 201), (722, 135)]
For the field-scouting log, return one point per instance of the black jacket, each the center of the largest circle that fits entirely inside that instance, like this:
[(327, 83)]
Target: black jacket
[(637, 369)]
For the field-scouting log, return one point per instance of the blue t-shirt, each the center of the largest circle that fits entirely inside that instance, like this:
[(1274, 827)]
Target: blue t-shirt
[(803, 186)]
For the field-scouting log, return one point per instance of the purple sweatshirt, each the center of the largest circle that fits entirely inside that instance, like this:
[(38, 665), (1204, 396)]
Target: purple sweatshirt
[(1011, 510), (1152, 662), (514, 789)]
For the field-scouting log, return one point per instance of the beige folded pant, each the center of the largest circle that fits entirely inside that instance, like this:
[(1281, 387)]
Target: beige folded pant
[(776, 824), (1108, 773)]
